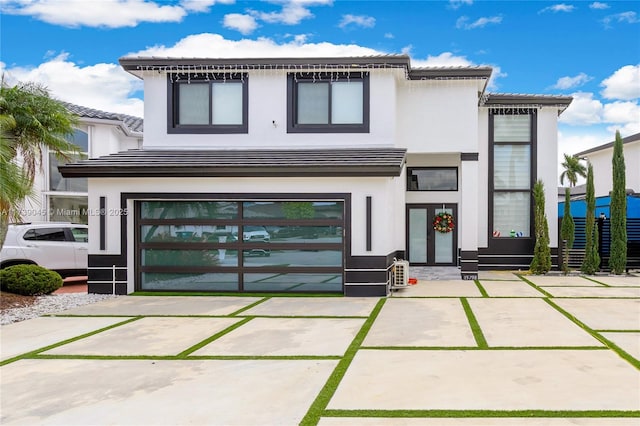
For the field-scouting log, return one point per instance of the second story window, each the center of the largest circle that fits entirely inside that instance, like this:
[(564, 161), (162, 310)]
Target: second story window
[(211, 103), (328, 103)]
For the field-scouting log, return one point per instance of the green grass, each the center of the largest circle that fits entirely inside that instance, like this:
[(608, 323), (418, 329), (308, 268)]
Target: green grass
[(475, 326), (481, 288), (319, 405), (35, 352), (537, 287), (229, 294), (622, 353), (481, 413)]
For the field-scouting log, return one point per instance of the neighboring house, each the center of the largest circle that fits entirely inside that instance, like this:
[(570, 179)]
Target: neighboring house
[(600, 158), (98, 133), (343, 163)]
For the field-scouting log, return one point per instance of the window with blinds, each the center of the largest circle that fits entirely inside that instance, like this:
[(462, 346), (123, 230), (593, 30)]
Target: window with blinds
[(512, 175)]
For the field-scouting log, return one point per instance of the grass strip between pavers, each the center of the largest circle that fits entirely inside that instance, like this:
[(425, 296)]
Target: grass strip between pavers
[(596, 281), (617, 349), (476, 348), (251, 305), (537, 287), (473, 323), (35, 352), (481, 288), (481, 413), (229, 294), (319, 405), (208, 340), (191, 358)]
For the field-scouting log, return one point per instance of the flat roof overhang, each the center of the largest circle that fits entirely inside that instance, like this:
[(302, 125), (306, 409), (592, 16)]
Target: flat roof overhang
[(371, 162)]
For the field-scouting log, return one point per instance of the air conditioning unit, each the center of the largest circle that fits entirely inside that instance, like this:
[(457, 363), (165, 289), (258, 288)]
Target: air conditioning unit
[(400, 275)]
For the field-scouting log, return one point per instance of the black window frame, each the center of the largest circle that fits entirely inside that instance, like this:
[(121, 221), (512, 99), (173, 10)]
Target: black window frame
[(326, 78), (411, 169), (504, 241), (175, 80)]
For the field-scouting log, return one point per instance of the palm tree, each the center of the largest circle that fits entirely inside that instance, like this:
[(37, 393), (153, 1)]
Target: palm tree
[(31, 122), (572, 169)]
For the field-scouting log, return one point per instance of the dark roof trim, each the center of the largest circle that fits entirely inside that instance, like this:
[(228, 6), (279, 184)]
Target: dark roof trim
[(628, 139), (136, 64), (242, 163), (507, 99), (450, 73)]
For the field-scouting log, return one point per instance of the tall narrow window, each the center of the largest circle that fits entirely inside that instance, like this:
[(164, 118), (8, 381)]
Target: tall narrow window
[(512, 175), (328, 103), (208, 103)]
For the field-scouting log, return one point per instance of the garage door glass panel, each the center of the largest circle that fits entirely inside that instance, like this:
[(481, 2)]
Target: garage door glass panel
[(299, 210), (304, 234), (189, 210), (189, 282), (184, 234), (219, 257), (290, 258), (292, 282)]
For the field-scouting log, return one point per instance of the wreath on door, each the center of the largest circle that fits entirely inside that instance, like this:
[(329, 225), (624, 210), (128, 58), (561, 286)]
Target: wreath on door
[(443, 222)]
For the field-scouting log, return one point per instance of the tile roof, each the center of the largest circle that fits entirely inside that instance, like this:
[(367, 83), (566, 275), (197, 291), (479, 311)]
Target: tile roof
[(132, 123), (242, 163)]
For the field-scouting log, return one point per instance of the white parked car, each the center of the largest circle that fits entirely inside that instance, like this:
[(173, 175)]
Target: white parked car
[(59, 246)]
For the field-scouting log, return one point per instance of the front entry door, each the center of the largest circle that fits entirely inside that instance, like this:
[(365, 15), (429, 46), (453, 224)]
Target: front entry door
[(426, 246)]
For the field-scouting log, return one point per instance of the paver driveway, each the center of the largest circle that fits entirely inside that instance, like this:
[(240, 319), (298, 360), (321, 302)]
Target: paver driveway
[(502, 351)]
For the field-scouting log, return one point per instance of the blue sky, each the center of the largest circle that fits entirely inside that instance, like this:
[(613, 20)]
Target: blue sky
[(587, 49)]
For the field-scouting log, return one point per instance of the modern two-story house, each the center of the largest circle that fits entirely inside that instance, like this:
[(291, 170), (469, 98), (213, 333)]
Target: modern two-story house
[(97, 133), (313, 174)]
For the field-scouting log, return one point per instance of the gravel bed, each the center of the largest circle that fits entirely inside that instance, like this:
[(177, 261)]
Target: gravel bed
[(51, 304)]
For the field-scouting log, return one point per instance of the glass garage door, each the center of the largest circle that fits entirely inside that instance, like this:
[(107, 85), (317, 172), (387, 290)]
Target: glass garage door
[(247, 246)]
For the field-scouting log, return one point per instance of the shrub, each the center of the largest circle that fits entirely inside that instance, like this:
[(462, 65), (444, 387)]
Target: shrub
[(29, 280)]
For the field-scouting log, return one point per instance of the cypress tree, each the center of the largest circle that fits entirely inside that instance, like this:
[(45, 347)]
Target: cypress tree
[(591, 262), (567, 231), (618, 251), (541, 262)]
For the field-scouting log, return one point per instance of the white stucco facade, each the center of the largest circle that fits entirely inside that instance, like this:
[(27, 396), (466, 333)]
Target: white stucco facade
[(441, 120)]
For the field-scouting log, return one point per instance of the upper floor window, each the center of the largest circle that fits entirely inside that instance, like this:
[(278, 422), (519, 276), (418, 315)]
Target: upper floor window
[(58, 183), (211, 103), (328, 103), (432, 179)]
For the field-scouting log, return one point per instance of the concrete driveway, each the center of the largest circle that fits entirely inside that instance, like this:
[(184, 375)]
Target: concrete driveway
[(500, 351)]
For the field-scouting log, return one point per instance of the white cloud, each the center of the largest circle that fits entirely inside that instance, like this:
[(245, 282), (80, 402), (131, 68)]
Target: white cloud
[(96, 13), (624, 84), (214, 45), (292, 12), (456, 4), (624, 116), (463, 22), (598, 5), (102, 86), (624, 18), (245, 24), (199, 5), (565, 83), (561, 7), (389, 35), (357, 20), (584, 110)]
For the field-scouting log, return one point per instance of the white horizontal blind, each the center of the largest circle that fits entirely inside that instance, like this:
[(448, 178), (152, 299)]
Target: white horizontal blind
[(193, 104), (512, 128), (511, 166), (346, 102), (226, 103), (511, 212), (313, 103)]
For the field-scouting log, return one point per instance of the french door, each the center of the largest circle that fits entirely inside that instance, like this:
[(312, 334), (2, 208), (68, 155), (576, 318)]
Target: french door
[(426, 246)]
